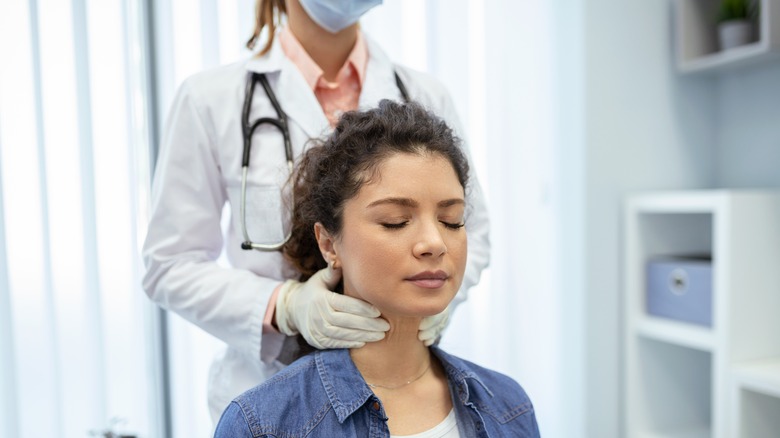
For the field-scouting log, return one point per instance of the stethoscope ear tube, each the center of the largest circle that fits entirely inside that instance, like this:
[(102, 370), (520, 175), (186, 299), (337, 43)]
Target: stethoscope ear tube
[(282, 120), (247, 130), (402, 88)]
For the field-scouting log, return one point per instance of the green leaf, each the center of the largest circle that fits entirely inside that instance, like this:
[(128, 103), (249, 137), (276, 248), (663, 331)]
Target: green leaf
[(737, 10)]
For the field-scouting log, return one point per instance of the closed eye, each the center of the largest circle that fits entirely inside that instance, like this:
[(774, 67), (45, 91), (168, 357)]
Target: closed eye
[(454, 226), (395, 226)]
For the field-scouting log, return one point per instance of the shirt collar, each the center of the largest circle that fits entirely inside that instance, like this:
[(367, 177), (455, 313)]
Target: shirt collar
[(293, 50), (347, 391), (459, 373)]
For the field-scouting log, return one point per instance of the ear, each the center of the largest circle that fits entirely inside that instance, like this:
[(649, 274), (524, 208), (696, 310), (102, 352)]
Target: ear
[(327, 244)]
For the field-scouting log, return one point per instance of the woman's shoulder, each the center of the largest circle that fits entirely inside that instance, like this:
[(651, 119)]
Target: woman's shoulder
[(265, 408), (303, 370)]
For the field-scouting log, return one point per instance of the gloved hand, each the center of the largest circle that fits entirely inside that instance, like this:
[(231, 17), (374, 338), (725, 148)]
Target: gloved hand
[(431, 327), (324, 318)]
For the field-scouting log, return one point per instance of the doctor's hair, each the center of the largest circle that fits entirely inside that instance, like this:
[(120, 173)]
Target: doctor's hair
[(268, 13), (330, 174)]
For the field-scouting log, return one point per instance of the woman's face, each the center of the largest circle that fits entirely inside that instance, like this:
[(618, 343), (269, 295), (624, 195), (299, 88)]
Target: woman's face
[(403, 245)]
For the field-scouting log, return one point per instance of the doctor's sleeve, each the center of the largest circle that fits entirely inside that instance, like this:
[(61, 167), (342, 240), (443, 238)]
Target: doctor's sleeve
[(184, 238)]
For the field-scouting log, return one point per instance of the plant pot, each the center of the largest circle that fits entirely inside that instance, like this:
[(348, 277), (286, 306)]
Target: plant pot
[(735, 33)]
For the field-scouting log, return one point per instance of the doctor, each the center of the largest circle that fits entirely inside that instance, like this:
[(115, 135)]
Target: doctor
[(231, 137)]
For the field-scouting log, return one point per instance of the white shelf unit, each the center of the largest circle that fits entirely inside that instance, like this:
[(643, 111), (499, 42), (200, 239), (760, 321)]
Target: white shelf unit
[(687, 380), (696, 41), (756, 399)]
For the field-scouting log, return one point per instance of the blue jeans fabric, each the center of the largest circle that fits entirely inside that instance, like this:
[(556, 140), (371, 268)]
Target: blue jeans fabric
[(324, 395)]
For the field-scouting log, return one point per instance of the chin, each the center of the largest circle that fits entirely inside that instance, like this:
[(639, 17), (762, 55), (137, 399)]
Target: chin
[(417, 310)]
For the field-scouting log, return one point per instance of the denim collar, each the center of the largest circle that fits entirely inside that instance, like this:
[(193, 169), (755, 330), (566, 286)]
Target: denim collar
[(347, 391)]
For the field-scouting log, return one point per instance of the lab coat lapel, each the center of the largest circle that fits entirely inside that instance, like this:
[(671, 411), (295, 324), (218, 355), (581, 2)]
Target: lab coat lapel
[(299, 101), (295, 97), (379, 79)]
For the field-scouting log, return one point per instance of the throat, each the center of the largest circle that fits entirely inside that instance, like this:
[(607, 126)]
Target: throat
[(392, 363), (400, 385)]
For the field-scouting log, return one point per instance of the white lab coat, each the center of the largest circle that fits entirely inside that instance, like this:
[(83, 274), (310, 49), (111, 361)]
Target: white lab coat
[(199, 170)]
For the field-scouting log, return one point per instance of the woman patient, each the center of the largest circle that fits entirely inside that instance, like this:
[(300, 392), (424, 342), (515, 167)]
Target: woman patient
[(382, 201)]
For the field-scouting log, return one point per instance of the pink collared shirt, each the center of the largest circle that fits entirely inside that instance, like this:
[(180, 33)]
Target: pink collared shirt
[(335, 98)]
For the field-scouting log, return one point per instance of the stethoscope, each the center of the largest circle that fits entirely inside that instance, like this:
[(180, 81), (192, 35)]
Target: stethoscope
[(281, 123)]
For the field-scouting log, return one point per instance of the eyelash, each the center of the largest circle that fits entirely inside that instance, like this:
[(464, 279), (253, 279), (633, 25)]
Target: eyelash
[(397, 226), (400, 225), (454, 226)]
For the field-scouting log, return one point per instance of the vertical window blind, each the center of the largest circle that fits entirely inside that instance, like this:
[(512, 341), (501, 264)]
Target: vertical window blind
[(75, 353)]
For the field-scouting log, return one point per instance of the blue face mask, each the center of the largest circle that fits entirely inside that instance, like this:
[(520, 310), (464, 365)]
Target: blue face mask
[(335, 15)]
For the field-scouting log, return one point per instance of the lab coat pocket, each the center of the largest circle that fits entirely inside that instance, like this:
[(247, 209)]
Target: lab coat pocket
[(267, 214)]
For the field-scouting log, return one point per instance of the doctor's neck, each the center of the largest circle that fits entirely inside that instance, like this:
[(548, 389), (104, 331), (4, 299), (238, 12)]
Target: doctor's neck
[(330, 51)]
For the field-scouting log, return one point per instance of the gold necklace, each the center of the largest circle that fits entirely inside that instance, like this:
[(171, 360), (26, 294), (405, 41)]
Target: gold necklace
[(372, 385)]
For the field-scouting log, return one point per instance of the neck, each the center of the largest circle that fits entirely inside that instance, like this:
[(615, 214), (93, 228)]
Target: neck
[(329, 51), (396, 359)]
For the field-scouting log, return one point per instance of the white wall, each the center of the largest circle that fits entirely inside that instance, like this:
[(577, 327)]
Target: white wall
[(748, 127), (645, 128), (569, 184)]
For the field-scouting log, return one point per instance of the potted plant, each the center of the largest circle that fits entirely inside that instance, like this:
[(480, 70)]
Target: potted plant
[(736, 22)]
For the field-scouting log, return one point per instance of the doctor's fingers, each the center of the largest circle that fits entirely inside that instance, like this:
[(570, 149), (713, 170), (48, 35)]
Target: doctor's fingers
[(343, 303), (434, 321), (429, 336), (328, 344), (342, 321), (327, 276), (341, 335)]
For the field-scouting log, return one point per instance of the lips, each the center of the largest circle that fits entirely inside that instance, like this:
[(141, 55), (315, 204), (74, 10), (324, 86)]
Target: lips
[(429, 280)]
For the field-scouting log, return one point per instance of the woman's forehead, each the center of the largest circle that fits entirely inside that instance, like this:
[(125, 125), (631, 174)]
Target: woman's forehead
[(412, 173)]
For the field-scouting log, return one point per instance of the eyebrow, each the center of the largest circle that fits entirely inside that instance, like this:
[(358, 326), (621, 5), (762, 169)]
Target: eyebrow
[(406, 202)]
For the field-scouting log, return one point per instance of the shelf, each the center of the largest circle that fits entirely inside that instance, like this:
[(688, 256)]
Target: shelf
[(688, 380), (729, 59), (696, 40), (689, 201), (758, 415), (759, 376), (703, 432), (677, 333), (672, 389)]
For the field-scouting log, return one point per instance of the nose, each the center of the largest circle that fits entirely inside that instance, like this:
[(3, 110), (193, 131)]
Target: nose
[(430, 242)]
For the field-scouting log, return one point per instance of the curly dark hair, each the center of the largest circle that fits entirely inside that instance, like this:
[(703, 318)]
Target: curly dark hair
[(330, 174)]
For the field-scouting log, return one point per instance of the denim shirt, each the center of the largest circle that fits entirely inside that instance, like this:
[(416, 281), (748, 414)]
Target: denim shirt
[(324, 395)]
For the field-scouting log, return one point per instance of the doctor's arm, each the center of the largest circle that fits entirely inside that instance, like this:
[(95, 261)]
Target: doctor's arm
[(184, 240)]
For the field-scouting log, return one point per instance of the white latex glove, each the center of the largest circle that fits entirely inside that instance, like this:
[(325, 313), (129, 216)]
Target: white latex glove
[(431, 327), (324, 318)]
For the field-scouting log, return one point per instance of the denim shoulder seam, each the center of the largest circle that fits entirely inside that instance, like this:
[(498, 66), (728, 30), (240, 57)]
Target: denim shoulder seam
[(510, 414)]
